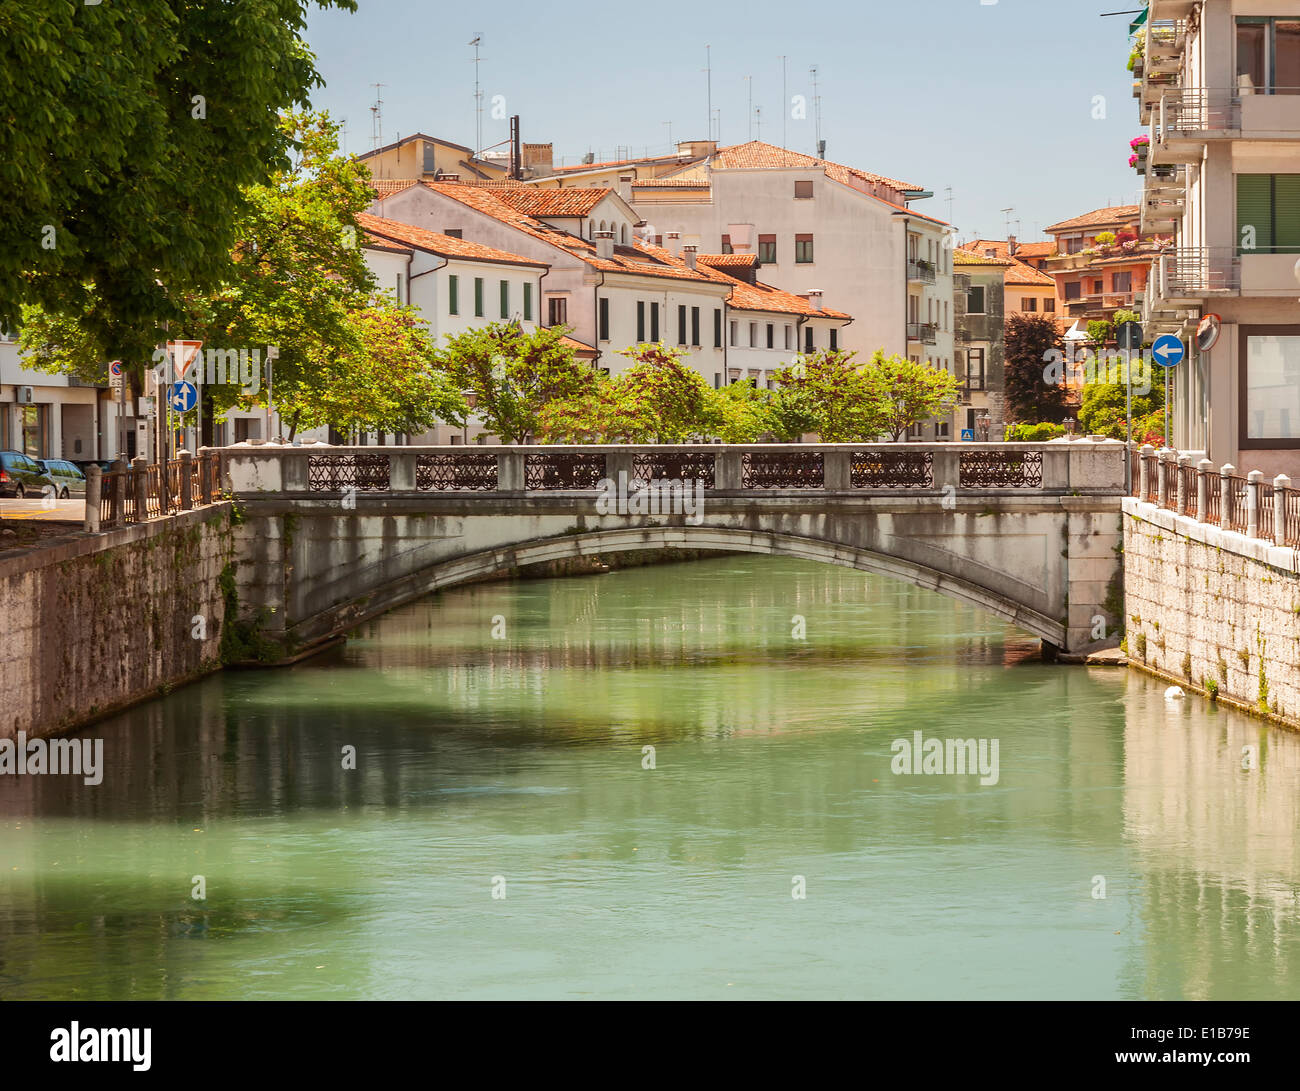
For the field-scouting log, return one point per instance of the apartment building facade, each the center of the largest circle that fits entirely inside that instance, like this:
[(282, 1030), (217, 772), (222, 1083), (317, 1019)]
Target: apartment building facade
[(1218, 85), (979, 305), (818, 225)]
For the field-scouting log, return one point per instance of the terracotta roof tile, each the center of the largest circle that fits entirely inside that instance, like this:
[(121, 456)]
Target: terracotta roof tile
[(390, 231), (1020, 273), (574, 201), (963, 256), (386, 187), (725, 261), (1101, 217), (756, 153)]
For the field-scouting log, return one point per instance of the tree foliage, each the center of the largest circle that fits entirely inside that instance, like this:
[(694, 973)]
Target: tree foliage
[(1032, 345), (129, 134), (1102, 410), (908, 392), (514, 374)]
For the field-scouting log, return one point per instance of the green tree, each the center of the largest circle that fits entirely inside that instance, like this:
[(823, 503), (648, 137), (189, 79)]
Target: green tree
[(1033, 351), (908, 392), (1102, 409), (514, 374), (741, 413), (128, 137), (833, 394), (388, 380)]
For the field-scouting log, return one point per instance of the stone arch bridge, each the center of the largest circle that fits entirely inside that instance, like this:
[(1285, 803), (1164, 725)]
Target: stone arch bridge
[(333, 536)]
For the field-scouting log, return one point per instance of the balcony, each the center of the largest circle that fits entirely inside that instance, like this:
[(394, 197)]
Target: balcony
[(927, 333), (1161, 215), (920, 271), (1187, 118), (914, 331), (1190, 273)]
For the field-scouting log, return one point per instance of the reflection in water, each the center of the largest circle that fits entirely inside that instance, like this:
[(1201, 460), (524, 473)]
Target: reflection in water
[(522, 758)]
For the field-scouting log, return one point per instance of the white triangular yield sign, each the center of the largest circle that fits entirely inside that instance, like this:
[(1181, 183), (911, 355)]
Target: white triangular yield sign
[(183, 354)]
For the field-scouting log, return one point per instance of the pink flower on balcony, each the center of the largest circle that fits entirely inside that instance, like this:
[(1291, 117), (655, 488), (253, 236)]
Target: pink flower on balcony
[(1140, 141), (1133, 160)]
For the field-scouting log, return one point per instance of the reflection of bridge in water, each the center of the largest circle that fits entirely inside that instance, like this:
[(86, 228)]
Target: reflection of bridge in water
[(1029, 532)]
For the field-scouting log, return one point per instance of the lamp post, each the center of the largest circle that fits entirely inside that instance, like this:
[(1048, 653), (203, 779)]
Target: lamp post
[(471, 400), (984, 422), (1070, 425)]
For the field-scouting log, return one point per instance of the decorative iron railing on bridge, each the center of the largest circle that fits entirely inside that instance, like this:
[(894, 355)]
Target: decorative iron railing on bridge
[(139, 491)]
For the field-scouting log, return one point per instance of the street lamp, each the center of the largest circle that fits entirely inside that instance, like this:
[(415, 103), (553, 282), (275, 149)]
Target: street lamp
[(471, 400), (1070, 425), (984, 422)]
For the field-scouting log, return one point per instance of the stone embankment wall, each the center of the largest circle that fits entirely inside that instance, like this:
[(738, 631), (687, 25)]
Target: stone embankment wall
[(98, 623), (1213, 610)]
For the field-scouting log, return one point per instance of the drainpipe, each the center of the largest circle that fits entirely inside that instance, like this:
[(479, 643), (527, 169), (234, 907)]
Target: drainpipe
[(595, 302)]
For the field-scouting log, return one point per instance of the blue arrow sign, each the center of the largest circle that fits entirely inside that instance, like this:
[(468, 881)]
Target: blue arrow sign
[(1168, 351), (182, 397)]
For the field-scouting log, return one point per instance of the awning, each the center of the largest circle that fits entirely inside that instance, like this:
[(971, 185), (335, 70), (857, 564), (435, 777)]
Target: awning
[(1139, 21)]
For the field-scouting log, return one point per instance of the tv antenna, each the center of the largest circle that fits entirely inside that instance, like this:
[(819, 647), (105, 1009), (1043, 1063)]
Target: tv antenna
[(749, 83), (817, 111), (476, 41), (377, 118)]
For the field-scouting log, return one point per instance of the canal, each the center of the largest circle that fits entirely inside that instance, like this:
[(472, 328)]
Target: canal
[(502, 833)]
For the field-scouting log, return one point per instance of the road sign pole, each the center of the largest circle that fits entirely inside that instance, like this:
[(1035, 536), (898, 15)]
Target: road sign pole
[(1167, 442)]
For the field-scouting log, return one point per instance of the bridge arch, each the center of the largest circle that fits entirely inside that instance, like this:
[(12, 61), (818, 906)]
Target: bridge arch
[(449, 573)]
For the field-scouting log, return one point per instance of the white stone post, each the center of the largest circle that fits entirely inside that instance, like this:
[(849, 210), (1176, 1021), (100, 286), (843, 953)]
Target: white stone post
[(1281, 484), (94, 483), (1252, 502), (1203, 470), (1162, 488), (1148, 468), (1225, 494), (1183, 498)]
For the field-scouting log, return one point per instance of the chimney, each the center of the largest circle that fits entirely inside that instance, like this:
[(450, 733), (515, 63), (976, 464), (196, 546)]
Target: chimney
[(604, 244), (673, 243), (688, 255), (1011, 246), (814, 298), (625, 187)]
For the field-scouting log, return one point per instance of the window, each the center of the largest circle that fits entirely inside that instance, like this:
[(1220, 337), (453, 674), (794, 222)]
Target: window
[(975, 299), (454, 233), (771, 336), (623, 235), (735, 327), (681, 324), (1122, 282), (1049, 305), (1098, 286), (640, 321), (726, 244), (453, 294), (505, 299), (717, 327), (430, 159), (1270, 386), (803, 190), (695, 327), (767, 249), (808, 339), (1268, 55), (1072, 245), (975, 369), (1268, 213), (753, 335), (654, 321), (803, 249), (789, 338), (835, 340), (945, 314), (558, 311), (399, 290), (1073, 291), (478, 297), (1030, 304), (528, 302), (604, 320)]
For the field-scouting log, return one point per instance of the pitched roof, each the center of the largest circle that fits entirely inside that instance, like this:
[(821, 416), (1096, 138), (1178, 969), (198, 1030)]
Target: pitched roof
[(1101, 217), (391, 231), (386, 187), (415, 136), (1020, 273), (671, 183), (757, 154), (962, 256), (725, 261), (608, 163), (638, 259), (1024, 250), (574, 201)]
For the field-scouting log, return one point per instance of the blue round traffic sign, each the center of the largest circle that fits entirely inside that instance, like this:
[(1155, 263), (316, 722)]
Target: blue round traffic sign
[(1168, 350), (183, 397)]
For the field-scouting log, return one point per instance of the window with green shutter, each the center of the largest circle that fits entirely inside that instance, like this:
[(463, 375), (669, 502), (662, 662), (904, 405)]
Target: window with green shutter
[(528, 302), (1268, 213), (478, 297), (505, 299), (453, 294)]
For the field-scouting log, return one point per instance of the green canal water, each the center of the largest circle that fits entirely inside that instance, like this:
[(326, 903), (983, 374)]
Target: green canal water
[(514, 764)]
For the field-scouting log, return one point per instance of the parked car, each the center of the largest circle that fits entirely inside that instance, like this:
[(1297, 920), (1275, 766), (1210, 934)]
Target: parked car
[(21, 476), (68, 480)]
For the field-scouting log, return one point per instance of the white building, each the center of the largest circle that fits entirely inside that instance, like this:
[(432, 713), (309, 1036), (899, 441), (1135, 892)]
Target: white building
[(814, 224), (1219, 85)]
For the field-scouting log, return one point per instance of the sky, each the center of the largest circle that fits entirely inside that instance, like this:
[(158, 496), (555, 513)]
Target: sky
[(1020, 104)]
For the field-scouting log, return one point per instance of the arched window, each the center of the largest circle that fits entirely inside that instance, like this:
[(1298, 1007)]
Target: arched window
[(624, 237), (602, 225)]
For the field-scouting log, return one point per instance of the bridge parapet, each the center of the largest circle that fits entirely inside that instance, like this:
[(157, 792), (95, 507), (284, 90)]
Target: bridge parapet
[(1057, 468)]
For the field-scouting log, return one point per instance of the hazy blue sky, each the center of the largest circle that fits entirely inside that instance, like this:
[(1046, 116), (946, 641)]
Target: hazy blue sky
[(994, 100)]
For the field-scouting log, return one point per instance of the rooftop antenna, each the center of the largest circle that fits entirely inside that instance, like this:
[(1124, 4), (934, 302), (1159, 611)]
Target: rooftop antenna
[(817, 111), (476, 41), (948, 191), (758, 121), (343, 129), (377, 119), (785, 106), (1006, 213), (708, 69), (749, 82), (670, 135), (717, 117)]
